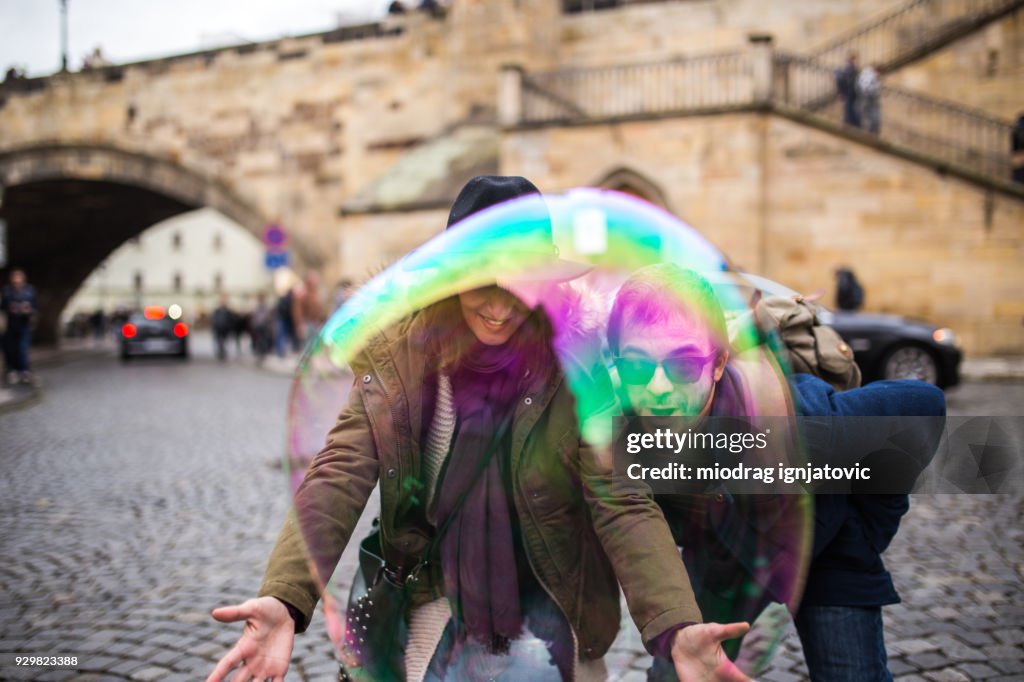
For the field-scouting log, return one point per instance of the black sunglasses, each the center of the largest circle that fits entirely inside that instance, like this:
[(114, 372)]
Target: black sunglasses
[(680, 369)]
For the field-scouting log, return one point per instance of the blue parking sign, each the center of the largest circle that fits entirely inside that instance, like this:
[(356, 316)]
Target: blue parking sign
[(276, 260)]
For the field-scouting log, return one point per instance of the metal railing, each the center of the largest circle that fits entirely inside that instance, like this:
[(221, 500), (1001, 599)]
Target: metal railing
[(694, 84), (939, 130), (910, 30), (933, 130)]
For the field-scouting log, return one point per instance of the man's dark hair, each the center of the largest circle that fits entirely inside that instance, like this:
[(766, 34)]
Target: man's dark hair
[(653, 293)]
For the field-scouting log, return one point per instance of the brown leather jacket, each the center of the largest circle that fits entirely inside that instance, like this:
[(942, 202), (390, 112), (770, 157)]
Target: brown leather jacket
[(569, 530)]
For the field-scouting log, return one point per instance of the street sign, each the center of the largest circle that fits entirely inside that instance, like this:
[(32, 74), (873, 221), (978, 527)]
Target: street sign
[(275, 260), (275, 238)]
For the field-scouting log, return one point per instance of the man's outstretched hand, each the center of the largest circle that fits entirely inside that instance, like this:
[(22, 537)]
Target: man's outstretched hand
[(265, 647), (698, 656)]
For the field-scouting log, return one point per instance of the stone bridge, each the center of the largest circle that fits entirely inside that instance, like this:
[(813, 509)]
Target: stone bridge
[(356, 140)]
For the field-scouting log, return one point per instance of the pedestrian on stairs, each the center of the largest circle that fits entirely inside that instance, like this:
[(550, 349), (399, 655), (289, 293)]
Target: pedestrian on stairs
[(846, 86), (869, 98), (1017, 148)]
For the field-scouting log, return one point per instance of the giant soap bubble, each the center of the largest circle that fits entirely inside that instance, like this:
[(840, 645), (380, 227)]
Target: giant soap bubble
[(564, 259)]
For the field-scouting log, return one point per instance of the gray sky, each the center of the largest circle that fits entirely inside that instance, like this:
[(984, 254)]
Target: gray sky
[(131, 30)]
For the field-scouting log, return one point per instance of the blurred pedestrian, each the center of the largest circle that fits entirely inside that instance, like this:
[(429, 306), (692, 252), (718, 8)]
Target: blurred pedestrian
[(98, 324), (308, 308), (18, 303), (285, 332), (849, 292), (95, 59), (239, 328), (119, 317), (1017, 148), (342, 292), (78, 326), (261, 328), (869, 98), (223, 326), (431, 7), (846, 86)]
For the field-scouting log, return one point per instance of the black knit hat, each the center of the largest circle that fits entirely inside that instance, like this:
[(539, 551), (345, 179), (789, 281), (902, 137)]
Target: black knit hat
[(485, 191)]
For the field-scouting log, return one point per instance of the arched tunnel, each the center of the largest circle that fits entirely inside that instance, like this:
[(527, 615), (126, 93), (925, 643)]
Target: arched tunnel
[(60, 230), (68, 207)]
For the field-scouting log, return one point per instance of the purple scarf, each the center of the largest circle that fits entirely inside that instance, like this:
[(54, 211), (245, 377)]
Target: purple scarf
[(477, 551)]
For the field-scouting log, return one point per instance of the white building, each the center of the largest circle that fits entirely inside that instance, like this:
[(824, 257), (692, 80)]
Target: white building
[(189, 260)]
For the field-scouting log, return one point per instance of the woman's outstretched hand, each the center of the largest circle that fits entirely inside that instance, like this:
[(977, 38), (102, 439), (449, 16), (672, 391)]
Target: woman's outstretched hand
[(265, 647), (698, 656)]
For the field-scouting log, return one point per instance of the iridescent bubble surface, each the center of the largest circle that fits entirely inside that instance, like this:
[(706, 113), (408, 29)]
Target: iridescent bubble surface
[(564, 259)]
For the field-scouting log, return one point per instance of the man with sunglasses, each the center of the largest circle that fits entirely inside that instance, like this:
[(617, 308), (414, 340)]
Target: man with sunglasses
[(668, 336), (669, 340)]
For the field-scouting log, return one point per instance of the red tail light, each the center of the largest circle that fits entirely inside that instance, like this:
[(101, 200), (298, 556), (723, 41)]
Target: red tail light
[(181, 330), (128, 331)]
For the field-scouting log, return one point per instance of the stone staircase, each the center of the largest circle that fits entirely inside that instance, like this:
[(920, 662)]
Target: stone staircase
[(910, 31), (939, 133), (903, 35), (929, 129), (943, 134)]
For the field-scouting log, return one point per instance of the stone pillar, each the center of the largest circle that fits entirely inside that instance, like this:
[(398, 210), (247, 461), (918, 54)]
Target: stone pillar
[(510, 95), (761, 66)]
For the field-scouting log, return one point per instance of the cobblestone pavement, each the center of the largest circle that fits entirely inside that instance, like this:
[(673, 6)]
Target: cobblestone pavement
[(135, 498)]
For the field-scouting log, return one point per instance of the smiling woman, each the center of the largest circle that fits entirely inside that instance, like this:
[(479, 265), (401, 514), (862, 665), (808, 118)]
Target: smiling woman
[(492, 314)]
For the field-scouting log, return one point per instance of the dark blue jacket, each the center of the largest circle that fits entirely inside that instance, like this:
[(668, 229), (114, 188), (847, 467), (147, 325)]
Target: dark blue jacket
[(852, 531), (18, 305)]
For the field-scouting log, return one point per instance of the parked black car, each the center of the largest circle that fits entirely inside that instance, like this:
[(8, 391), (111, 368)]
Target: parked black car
[(154, 332), (894, 347), (884, 346)]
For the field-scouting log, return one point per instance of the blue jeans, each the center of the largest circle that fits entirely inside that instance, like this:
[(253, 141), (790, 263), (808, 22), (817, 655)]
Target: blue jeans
[(540, 654), (16, 341), (851, 112), (843, 643), (285, 338)]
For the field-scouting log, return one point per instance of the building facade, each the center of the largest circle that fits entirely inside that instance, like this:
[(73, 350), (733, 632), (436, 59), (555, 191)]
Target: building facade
[(190, 260)]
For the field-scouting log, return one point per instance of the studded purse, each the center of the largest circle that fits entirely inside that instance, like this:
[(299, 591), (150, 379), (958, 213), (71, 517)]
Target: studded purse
[(375, 620), (376, 616)]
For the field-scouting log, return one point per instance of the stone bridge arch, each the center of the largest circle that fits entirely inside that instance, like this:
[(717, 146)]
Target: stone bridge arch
[(67, 207)]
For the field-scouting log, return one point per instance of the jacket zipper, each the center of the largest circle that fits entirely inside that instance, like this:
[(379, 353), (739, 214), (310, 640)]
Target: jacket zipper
[(572, 630), (540, 581), (394, 424)]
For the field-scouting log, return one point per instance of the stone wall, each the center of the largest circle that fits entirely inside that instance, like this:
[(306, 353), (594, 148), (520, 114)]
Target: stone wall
[(372, 241), (653, 32), (923, 245), (793, 204), (707, 168)]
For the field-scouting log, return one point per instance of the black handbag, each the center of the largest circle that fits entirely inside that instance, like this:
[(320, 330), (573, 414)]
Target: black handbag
[(376, 616), (375, 620)]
